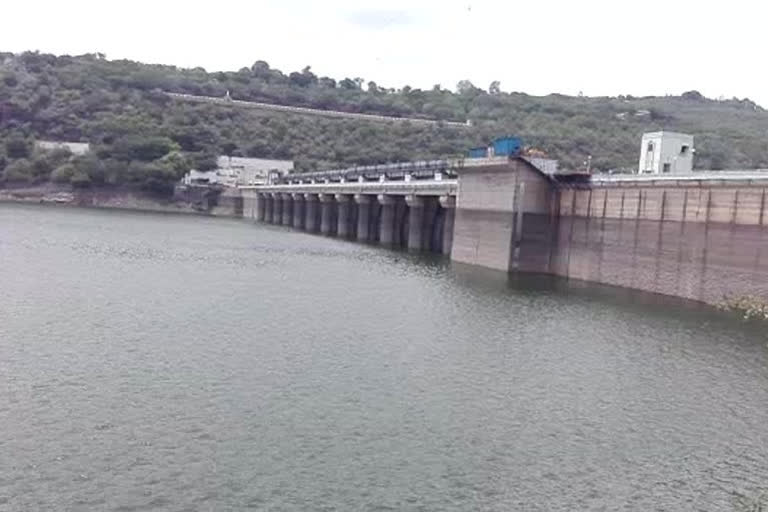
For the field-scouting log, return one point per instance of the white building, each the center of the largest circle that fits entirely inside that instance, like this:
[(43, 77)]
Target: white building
[(234, 171), (666, 153), (76, 148), (194, 177)]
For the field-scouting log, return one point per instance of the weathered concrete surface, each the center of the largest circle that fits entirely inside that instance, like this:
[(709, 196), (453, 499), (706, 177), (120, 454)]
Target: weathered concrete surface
[(699, 237), (269, 208), (343, 222), (701, 241), (327, 220), (492, 205), (277, 208), (448, 203), (311, 211), (287, 209), (299, 216), (415, 222), (228, 204), (363, 217), (386, 220)]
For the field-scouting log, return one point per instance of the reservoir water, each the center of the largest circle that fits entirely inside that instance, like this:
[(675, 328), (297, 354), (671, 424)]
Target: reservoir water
[(183, 363)]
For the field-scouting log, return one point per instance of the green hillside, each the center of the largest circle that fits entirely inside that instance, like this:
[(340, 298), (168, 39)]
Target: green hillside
[(144, 138)]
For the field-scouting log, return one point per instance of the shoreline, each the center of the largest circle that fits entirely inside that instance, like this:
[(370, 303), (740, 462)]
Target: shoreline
[(120, 199)]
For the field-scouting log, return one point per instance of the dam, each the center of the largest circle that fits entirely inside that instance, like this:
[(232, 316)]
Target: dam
[(696, 236)]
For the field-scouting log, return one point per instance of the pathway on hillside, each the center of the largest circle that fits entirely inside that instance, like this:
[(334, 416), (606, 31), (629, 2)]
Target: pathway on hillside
[(313, 111)]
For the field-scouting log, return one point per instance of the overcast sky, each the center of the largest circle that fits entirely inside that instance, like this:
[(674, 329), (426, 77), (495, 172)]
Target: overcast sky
[(596, 47)]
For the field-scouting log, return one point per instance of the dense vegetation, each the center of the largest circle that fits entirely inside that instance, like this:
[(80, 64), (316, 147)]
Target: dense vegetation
[(143, 138)]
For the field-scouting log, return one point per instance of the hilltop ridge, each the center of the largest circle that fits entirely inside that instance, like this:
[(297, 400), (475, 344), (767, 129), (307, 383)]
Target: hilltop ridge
[(141, 136)]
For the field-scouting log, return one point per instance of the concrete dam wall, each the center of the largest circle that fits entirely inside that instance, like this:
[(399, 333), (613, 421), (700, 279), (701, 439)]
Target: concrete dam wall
[(699, 236), (505, 218), (700, 240)]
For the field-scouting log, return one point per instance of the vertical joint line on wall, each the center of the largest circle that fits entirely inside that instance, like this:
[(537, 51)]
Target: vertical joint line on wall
[(762, 208), (512, 261), (621, 215), (520, 213), (735, 207), (573, 202), (663, 205), (605, 201)]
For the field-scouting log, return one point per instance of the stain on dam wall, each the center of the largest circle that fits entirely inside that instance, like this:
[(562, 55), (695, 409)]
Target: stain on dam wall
[(700, 240)]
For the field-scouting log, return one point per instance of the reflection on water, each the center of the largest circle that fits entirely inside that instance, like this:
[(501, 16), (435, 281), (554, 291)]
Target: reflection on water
[(186, 363)]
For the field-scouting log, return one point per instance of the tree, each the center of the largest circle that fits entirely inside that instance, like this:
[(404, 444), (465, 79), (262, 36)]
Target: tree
[(465, 87), (17, 147), (260, 69), (80, 179), (693, 96), (92, 167), (63, 174), (495, 87), (328, 83), (138, 147), (18, 171), (203, 161), (228, 148), (177, 163)]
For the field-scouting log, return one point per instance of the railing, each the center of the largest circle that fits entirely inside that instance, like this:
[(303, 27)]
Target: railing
[(422, 169), (735, 175)]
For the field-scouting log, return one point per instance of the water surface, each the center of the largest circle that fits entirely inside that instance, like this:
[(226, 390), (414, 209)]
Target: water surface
[(169, 362)]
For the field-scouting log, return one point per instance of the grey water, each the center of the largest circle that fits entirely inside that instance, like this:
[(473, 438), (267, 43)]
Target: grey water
[(184, 363)]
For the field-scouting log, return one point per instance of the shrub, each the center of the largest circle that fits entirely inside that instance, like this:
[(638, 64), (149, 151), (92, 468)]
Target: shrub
[(17, 147), (18, 171), (80, 179), (63, 173), (749, 307)]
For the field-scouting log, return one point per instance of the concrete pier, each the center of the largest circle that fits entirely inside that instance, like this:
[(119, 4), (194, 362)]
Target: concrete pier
[(287, 209), (363, 217), (342, 218), (269, 208), (260, 207), (448, 203), (311, 206), (415, 222), (387, 219), (277, 209), (326, 214), (298, 211)]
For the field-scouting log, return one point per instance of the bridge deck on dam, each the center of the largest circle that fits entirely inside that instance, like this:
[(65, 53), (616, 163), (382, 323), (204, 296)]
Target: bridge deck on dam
[(402, 188)]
